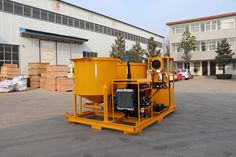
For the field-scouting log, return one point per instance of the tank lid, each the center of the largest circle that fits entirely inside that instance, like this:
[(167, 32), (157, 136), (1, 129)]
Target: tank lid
[(95, 59)]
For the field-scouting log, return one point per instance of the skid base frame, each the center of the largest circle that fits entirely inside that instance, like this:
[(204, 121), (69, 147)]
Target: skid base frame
[(115, 125)]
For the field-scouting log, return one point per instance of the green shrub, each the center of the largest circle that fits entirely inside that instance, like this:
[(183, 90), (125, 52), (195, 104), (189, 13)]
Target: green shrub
[(224, 77)]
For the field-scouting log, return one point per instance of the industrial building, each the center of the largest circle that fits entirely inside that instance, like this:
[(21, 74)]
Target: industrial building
[(55, 31), (208, 32)]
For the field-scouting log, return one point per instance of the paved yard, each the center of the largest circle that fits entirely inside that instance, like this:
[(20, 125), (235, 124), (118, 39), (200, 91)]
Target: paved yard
[(32, 124)]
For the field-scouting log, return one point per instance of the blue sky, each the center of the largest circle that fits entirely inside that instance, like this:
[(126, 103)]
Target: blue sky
[(153, 14)]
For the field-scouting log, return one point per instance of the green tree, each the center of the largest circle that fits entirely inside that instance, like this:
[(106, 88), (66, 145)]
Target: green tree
[(188, 43), (152, 48), (224, 54), (118, 49), (136, 53)]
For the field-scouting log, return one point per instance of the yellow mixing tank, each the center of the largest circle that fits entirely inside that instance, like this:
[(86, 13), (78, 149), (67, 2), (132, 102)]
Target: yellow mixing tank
[(138, 70), (92, 74)]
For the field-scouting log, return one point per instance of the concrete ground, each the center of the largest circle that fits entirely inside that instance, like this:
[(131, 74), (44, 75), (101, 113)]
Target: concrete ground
[(32, 124)]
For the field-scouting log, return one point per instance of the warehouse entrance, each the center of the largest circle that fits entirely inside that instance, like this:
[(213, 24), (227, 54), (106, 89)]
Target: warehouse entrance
[(48, 51)]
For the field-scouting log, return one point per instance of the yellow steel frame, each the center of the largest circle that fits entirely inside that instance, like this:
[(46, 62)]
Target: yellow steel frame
[(112, 119)]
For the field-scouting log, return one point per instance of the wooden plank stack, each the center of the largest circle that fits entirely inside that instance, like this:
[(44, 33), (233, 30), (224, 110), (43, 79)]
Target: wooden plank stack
[(42, 80), (54, 72), (35, 70), (8, 71), (65, 84)]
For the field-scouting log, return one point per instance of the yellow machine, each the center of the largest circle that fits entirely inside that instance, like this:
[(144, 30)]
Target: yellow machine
[(122, 96)]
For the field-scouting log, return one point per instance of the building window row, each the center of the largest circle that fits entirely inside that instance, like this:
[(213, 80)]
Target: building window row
[(89, 54), (206, 45), (211, 25), (36, 13), (9, 54)]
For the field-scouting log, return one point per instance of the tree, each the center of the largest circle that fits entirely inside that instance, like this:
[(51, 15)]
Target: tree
[(167, 47), (118, 49), (152, 48), (188, 43), (136, 53), (224, 54)]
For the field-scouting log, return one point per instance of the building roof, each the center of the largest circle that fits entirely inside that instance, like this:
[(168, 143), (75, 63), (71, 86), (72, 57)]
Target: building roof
[(110, 18), (50, 36), (201, 19)]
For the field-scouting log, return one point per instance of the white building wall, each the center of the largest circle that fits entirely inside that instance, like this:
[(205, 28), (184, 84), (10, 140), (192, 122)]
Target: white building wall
[(10, 25)]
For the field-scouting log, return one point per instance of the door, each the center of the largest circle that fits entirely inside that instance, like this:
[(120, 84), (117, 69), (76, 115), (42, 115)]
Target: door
[(48, 52), (212, 68), (204, 69), (186, 65), (63, 53)]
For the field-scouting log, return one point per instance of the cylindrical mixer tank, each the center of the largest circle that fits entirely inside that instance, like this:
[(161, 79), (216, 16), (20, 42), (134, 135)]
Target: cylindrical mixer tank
[(92, 74)]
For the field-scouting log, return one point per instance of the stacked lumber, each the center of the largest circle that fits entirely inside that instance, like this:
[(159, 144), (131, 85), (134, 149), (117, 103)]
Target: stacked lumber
[(35, 71), (54, 72), (8, 71), (65, 84), (42, 80)]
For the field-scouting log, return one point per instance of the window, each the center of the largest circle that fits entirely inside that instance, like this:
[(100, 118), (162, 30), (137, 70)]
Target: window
[(208, 25), (177, 48), (76, 23), (36, 13), (234, 64), (44, 15), (90, 54), (228, 24), (81, 23), (96, 27), (179, 29), (213, 45), (58, 18), (202, 26), (218, 25), (65, 20), (71, 21), (87, 25), (113, 32), (100, 29), (232, 43), (9, 54), (91, 26), (187, 28), (116, 34), (195, 27), (51, 17), (1, 5), (18, 9), (105, 30), (27, 11), (109, 31), (203, 46), (8, 6), (197, 47), (214, 25)]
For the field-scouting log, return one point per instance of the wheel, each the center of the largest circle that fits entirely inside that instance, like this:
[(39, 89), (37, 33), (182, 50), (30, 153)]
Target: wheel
[(184, 78)]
